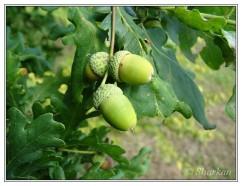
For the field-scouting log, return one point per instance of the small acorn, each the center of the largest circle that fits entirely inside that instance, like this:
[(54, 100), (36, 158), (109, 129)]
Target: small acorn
[(116, 108), (130, 68), (97, 65)]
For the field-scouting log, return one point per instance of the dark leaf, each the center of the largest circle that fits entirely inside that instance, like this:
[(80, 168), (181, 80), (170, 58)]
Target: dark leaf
[(98, 174), (230, 108), (57, 173), (27, 139), (194, 19), (184, 87), (138, 165), (211, 53)]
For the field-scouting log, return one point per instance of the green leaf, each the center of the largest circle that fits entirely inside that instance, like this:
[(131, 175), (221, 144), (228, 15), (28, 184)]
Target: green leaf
[(13, 66), (27, 139), (186, 90), (39, 92), (143, 100), (169, 69), (138, 165), (97, 135), (230, 108), (158, 36), (14, 42), (194, 42), (194, 19), (85, 29), (96, 140), (30, 57), (57, 30), (129, 35), (114, 151), (37, 109), (57, 173), (227, 44), (187, 39), (229, 54), (211, 54), (159, 100), (226, 11), (38, 168), (182, 35), (49, 8), (98, 174)]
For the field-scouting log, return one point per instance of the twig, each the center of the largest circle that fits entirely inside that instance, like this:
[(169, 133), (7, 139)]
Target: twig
[(113, 31), (77, 151), (230, 13), (112, 41), (207, 16), (91, 115), (211, 16)]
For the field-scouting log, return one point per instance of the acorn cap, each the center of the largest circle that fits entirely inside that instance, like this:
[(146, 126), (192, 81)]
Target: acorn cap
[(104, 92), (114, 63), (99, 62)]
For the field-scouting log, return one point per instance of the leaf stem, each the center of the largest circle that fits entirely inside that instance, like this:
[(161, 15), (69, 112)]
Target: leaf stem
[(207, 16), (211, 16), (112, 41), (77, 151), (230, 13), (104, 78), (167, 7), (91, 115)]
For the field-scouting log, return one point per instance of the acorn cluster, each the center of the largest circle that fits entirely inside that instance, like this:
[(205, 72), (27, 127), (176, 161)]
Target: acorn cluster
[(125, 67)]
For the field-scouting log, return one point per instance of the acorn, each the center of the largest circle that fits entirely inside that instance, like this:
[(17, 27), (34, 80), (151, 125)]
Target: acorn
[(115, 107), (130, 68), (97, 65)]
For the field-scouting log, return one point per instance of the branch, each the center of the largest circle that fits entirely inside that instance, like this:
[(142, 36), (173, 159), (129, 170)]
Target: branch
[(207, 16), (112, 40), (230, 13), (91, 115), (211, 16), (77, 151), (113, 31)]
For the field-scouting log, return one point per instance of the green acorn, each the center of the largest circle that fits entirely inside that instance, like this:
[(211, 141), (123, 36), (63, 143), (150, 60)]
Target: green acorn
[(130, 68), (115, 107), (97, 65)]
